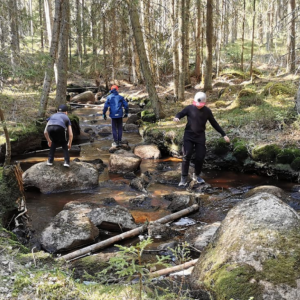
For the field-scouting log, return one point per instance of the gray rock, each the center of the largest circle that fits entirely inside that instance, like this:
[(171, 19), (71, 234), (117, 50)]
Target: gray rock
[(124, 162), (180, 200), (69, 229), (147, 151), (57, 178), (257, 245), (199, 237), (116, 218)]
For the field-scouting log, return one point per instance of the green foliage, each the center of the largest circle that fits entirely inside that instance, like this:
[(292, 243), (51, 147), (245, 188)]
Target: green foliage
[(182, 252), (148, 116), (232, 73), (296, 164), (128, 264), (248, 97), (275, 89), (287, 155), (266, 153)]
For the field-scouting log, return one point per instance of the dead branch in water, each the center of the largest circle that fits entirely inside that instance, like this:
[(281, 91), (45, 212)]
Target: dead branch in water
[(131, 233)]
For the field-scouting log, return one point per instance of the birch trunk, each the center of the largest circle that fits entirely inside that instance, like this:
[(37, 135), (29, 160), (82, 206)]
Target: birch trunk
[(291, 56), (49, 72), (48, 18), (181, 49), (174, 29), (198, 41)]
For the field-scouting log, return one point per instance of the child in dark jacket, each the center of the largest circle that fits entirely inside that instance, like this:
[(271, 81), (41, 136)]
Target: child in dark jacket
[(116, 103)]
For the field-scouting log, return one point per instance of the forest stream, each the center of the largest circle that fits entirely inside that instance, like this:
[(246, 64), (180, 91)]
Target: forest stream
[(226, 188)]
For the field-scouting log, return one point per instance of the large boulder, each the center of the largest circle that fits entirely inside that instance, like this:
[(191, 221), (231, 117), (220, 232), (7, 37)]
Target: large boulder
[(147, 151), (79, 222), (85, 98), (255, 253), (57, 178), (124, 162), (69, 229)]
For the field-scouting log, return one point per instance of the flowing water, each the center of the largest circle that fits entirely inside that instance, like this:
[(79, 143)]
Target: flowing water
[(225, 192)]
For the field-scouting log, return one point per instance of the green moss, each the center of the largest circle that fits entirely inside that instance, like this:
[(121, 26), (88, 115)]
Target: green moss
[(295, 165), (275, 89), (229, 93), (220, 146), (266, 153), (234, 73), (220, 104), (74, 118), (240, 150), (287, 155), (148, 116), (236, 281), (248, 97)]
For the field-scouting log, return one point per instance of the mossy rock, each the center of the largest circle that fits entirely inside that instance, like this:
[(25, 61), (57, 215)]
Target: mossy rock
[(148, 116), (240, 150), (220, 104), (295, 165), (287, 155), (276, 89), (220, 146), (230, 93), (233, 73), (248, 97), (266, 153)]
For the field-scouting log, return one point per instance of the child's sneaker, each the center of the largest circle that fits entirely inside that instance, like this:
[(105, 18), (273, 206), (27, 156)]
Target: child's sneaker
[(198, 179), (49, 163), (183, 181), (66, 165)]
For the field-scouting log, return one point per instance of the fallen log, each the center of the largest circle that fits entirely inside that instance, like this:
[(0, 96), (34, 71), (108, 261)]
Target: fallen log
[(131, 233), (173, 269)]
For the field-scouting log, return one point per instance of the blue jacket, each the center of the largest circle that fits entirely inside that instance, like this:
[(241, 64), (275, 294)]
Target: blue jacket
[(116, 104)]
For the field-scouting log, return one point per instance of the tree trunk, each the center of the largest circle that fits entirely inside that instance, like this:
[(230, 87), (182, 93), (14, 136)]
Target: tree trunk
[(181, 49), (209, 46), (104, 51), (14, 31), (49, 72), (243, 35), (138, 36), (84, 33), (291, 57), (187, 79), (174, 29), (62, 59), (49, 22), (252, 40), (94, 26), (41, 24), (145, 25), (8, 145), (79, 32), (198, 41)]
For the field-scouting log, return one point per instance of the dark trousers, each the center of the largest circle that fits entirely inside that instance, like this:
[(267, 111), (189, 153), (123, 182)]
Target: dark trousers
[(189, 147), (117, 129), (59, 138)]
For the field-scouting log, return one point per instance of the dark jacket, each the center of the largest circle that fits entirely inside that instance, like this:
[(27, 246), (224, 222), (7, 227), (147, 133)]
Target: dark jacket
[(116, 103), (196, 122)]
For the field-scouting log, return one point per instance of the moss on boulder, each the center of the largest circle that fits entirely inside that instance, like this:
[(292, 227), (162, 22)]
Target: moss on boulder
[(248, 97), (295, 165), (266, 153), (287, 155), (220, 146), (240, 150), (275, 89)]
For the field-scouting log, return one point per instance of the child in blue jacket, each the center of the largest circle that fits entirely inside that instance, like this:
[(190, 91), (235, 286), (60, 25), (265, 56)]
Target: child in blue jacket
[(116, 103)]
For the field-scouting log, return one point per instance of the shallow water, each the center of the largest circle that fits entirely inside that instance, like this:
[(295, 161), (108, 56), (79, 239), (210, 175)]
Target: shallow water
[(42, 208)]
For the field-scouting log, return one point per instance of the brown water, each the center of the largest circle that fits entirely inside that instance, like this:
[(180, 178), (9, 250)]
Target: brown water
[(42, 208)]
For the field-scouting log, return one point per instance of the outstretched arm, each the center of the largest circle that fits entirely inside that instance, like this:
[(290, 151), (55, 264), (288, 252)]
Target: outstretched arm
[(70, 132), (180, 115), (46, 134)]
